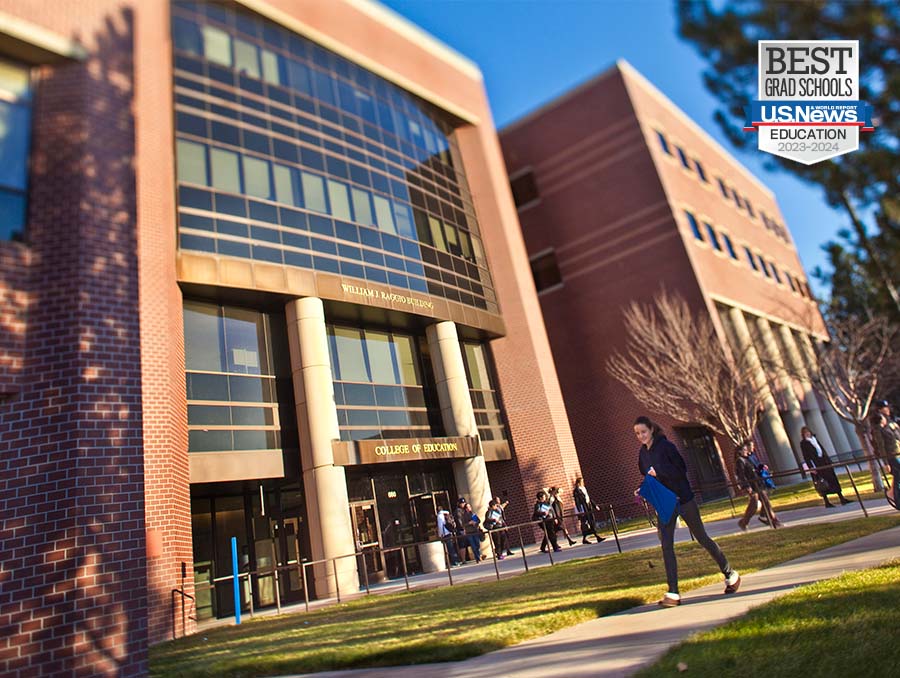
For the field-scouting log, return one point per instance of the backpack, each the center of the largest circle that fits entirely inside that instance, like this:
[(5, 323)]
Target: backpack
[(449, 522)]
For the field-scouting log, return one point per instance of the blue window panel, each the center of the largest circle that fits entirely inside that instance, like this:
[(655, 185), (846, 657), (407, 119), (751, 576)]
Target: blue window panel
[(295, 240), (293, 218), (352, 270), (391, 243), (370, 237), (695, 227), (326, 264), (713, 238), (266, 234), (232, 227), (195, 221), (195, 242), (324, 246), (263, 212), (298, 259), (371, 257), (418, 284), (751, 259), (269, 254), (376, 275), (233, 249), (729, 246), (346, 231), (397, 279), (394, 262), (321, 225), (229, 204), (194, 197), (349, 252)]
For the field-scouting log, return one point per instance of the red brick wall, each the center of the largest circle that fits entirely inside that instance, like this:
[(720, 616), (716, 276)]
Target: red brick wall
[(167, 473), (74, 600), (14, 263), (604, 212)]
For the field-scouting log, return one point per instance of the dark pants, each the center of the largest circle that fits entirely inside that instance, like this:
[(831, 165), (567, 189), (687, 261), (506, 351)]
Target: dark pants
[(452, 551), (475, 543), (588, 524), (462, 543), (755, 497), (691, 516), (895, 473), (501, 541), (548, 527)]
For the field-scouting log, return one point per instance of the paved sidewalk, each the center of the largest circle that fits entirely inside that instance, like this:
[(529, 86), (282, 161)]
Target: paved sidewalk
[(620, 644)]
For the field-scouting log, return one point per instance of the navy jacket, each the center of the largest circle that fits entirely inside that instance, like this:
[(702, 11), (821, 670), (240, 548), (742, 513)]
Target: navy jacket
[(670, 468)]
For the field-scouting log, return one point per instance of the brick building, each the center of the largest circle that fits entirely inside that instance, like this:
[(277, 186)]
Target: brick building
[(261, 277), (619, 195)]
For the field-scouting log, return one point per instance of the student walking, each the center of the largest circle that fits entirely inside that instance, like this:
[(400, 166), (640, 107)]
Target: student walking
[(558, 513), (494, 522), (584, 509), (886, 433), (825, 479), (660, 459), (749, 480), (543, 511)]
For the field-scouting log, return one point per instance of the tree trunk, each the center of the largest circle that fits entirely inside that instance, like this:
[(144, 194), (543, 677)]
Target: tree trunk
[(869, 452)]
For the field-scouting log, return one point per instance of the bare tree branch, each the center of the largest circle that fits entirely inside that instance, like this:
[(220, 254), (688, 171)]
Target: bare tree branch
[(675, 364)]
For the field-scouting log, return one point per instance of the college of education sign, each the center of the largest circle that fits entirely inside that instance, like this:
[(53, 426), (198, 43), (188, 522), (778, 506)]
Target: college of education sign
[(808, 108), (405, 449)]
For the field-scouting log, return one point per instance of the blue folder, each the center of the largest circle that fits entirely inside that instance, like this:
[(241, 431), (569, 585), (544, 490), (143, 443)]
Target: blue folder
[(660, 498)]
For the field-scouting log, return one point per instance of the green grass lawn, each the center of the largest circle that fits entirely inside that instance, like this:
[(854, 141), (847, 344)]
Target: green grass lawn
[(453, 623), (846, 626)]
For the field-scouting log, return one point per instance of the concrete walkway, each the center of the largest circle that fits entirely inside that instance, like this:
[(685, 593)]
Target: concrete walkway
[(620, 644)]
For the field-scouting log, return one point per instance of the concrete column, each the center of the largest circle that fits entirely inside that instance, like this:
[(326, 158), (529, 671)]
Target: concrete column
[(325, 485), (457, 412), (833, 422), (793, 415), (771, 427), (814, 418)]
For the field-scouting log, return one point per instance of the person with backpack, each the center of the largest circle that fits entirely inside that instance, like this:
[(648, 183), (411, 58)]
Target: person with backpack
[(446, 527), (493, 523), (543, 511)]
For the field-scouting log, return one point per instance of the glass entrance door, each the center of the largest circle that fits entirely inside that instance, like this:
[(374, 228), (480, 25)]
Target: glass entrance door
[(366, 531)]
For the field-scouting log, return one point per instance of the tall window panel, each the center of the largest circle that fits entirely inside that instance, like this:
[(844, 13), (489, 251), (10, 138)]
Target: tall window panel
[(290, 154), (485, 399), (381, 385), (237, 380), (15, 141)]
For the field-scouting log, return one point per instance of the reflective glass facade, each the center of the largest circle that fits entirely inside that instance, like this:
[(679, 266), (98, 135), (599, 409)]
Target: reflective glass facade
[(290, 154)]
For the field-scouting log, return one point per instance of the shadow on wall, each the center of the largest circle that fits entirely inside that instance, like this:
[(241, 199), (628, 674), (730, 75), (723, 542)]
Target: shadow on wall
[(72, 490)]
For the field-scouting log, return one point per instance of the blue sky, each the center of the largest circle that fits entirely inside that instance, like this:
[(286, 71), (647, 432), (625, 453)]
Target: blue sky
[(530, 51)]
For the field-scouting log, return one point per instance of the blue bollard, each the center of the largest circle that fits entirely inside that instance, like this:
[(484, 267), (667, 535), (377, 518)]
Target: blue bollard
[(237, 583)]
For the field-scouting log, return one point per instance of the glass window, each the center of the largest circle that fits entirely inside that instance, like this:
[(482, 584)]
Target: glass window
[(713, 238), (271, 73), (383, 214), (245, 342), (256, 177), (314, 192), (362, 207), (524, 188), (187, 36), (722, 187), (663, 143), (406, 360), (437, 234), (381, 357), (340, 203), (479, 377), (350, 359), (217, 45), (284, 185), (695, 227), (751, 259), (15, 136), (246, 58), (775, 273), (700, 171), (192, 162), (545, 270), (683, 157), (226, 174), (404, 220), (729, 246), (204, 340)]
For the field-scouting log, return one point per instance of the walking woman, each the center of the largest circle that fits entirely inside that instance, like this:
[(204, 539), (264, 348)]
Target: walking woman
[(558, 512), (660, 458), (815, 458), (749, 480)]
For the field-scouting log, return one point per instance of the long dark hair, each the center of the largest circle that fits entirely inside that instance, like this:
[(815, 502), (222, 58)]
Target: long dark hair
[(655, 429)]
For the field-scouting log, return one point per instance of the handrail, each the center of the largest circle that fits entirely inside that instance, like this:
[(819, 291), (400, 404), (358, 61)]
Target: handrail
[(184, 618)]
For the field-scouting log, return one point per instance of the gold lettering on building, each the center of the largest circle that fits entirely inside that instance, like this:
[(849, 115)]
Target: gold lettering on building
[(369, 293)]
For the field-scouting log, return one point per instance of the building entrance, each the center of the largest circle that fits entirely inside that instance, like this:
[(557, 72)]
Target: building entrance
[(396, 506), (704, 459), (268, 522)]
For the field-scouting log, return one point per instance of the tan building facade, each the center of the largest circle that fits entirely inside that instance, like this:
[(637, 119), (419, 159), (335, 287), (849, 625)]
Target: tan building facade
[(621, 195), (277, 297)]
